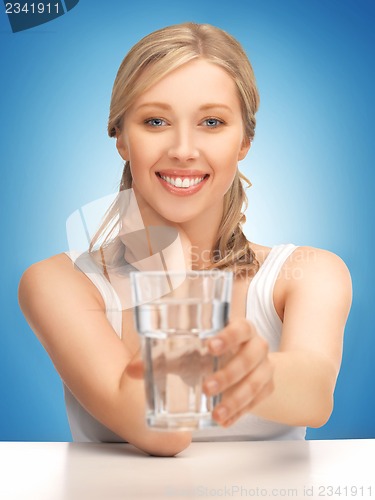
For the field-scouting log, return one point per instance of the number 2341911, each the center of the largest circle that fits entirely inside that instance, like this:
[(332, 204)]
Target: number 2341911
[(32, 8)]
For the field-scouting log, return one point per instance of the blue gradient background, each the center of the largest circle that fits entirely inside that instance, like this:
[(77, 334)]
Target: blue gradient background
[(312, 164)]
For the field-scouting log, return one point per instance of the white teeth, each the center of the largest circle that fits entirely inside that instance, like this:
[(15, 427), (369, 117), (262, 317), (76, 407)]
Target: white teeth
[(178, 182)]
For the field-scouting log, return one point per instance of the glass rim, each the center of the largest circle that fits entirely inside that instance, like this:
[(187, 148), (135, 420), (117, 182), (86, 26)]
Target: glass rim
[(197, 272)]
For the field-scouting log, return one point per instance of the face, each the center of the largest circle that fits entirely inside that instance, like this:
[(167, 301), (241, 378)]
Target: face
[(183, 138)]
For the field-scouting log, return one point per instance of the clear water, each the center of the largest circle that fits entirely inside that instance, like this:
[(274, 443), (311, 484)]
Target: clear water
[(177, 361)]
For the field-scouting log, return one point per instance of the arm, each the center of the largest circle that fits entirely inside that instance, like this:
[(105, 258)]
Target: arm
[(295, 385), (67, 313)]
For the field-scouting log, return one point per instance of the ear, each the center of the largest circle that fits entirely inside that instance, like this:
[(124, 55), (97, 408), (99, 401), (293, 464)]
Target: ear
[(121, 146), (246, 143)]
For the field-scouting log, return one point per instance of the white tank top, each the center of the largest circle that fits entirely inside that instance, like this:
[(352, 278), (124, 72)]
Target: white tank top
[(260, 310)]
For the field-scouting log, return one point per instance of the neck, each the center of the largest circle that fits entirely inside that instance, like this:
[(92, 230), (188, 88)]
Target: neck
[(202, 235), (198, 235)]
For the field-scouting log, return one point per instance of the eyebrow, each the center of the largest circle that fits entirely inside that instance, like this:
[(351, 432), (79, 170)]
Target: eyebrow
[(215, 106), (166, 106), (154, 105)]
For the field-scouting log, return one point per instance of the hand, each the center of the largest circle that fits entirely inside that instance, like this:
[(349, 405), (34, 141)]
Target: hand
[(188, 364), (247, 377)]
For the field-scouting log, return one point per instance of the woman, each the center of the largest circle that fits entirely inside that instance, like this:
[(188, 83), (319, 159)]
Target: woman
[(183, 113)]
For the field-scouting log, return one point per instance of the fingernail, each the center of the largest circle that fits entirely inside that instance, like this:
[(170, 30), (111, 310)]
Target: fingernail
[(217, 345), (212, 386), (222, 412)]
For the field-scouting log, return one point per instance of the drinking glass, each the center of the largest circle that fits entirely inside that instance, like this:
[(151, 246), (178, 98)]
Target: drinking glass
[(175, 314)]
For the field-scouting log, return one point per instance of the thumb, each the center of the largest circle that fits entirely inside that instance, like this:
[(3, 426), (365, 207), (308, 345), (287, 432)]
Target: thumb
[(135, 368)]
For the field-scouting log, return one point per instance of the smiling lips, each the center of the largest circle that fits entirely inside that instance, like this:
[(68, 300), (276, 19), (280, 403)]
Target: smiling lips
[(177, 183)]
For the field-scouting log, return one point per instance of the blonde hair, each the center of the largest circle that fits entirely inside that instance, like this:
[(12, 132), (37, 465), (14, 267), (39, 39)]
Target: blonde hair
[(162, 52)]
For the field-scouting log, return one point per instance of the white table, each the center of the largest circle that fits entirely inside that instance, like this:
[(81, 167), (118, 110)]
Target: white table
[(282, 469)]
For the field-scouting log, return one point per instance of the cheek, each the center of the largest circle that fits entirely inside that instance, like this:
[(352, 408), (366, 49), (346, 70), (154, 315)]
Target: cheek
[(227, 148), (226, 156), (229, 180), (226, 164), (141, 157)]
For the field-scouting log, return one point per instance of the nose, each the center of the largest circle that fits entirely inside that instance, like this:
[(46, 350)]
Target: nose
[(183, 146)]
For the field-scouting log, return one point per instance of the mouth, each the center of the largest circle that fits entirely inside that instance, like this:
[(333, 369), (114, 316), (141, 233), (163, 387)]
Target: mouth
[(183, 181)]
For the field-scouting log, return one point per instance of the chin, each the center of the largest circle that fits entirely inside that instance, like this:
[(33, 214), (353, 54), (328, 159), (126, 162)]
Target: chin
[(178, 218), (177, 213)]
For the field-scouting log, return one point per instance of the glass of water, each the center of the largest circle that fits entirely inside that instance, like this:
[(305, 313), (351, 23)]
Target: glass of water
[(175, 314)]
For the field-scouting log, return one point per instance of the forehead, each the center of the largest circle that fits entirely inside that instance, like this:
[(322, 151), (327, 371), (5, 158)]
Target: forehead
[(196, 81)]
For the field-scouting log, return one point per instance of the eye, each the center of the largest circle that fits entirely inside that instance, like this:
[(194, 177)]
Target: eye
[(155, 122), (212, 122)]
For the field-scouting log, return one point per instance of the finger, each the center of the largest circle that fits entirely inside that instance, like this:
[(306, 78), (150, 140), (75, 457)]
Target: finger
[(243, 394), (135, 369), (264, 393), (231, 337), (250, 355)]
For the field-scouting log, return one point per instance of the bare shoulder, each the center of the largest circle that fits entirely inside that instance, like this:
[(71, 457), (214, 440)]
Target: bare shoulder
[(316, 269), (59, 263), (312, 278), (318, 260), (53, 279)]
